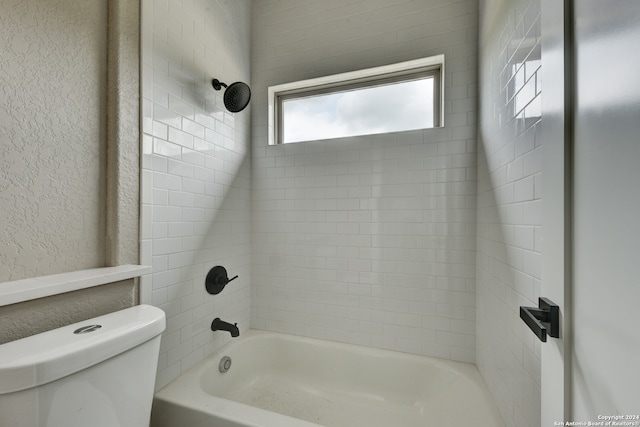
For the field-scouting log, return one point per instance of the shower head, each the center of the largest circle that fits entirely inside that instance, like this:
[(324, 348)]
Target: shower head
[(236, 96)]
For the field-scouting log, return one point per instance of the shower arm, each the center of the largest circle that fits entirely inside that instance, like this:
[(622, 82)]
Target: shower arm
[(217, 84)]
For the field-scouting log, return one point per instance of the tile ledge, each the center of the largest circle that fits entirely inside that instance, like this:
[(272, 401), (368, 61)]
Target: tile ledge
[(38, 287)]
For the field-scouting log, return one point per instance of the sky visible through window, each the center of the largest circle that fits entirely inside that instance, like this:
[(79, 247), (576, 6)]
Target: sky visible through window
[(379, 109)]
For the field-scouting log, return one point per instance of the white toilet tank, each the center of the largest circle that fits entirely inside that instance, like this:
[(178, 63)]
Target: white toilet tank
[(96, 373)]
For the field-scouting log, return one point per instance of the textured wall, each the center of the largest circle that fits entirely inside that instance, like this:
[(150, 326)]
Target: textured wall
[(367, 240), (53, 152), (52, 146), (123, 134), (196, 169), (32, 317), (509, 205)]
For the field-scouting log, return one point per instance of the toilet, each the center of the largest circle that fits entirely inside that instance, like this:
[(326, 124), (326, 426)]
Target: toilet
[(95, 373)]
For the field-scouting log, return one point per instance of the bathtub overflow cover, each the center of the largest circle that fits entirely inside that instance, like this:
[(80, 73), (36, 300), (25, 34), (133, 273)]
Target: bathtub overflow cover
[(225, 364), (86, 329)]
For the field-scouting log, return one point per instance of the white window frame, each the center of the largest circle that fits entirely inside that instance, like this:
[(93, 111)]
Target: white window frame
[(432, 66)]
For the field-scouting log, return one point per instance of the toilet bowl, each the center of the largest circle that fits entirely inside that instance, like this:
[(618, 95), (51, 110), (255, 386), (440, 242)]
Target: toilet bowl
[(97, 373)]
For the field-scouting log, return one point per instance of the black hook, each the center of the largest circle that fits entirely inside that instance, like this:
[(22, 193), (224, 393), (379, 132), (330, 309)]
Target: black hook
[(217, 279)]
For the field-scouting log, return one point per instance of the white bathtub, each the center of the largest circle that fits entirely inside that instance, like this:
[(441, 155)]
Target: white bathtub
[(278, 380)]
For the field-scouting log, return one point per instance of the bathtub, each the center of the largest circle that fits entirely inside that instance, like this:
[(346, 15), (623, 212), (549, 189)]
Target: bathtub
[(278, 380)]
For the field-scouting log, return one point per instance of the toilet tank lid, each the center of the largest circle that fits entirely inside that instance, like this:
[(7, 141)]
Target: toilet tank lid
[(48, 356)]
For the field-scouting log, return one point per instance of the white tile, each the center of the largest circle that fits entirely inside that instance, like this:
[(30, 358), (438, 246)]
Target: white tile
[(524, 189), (159, 130), (165, 116), (180, 107), (159, 230), (180, 199), (166, 181), (512, 223), (180, 169), (192, 128), (181, 138), (165, 148)]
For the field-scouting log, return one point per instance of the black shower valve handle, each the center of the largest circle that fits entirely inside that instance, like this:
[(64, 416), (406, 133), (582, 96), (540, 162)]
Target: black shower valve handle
[(217, 279), (223, 280)]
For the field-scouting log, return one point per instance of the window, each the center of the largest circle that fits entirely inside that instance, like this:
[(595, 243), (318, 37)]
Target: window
[(393, 98)]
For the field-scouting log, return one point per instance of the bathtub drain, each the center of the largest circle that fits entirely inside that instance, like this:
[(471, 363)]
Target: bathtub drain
[(225, 364)]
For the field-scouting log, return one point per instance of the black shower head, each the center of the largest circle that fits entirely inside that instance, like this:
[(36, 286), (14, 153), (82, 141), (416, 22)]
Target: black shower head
[(236, 96)]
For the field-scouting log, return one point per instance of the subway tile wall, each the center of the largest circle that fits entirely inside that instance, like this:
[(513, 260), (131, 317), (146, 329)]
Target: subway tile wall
[(509, 206), (195, 173), (367, 240)]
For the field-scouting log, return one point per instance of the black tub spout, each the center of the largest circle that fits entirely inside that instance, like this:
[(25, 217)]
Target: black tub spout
[(220, 325)]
